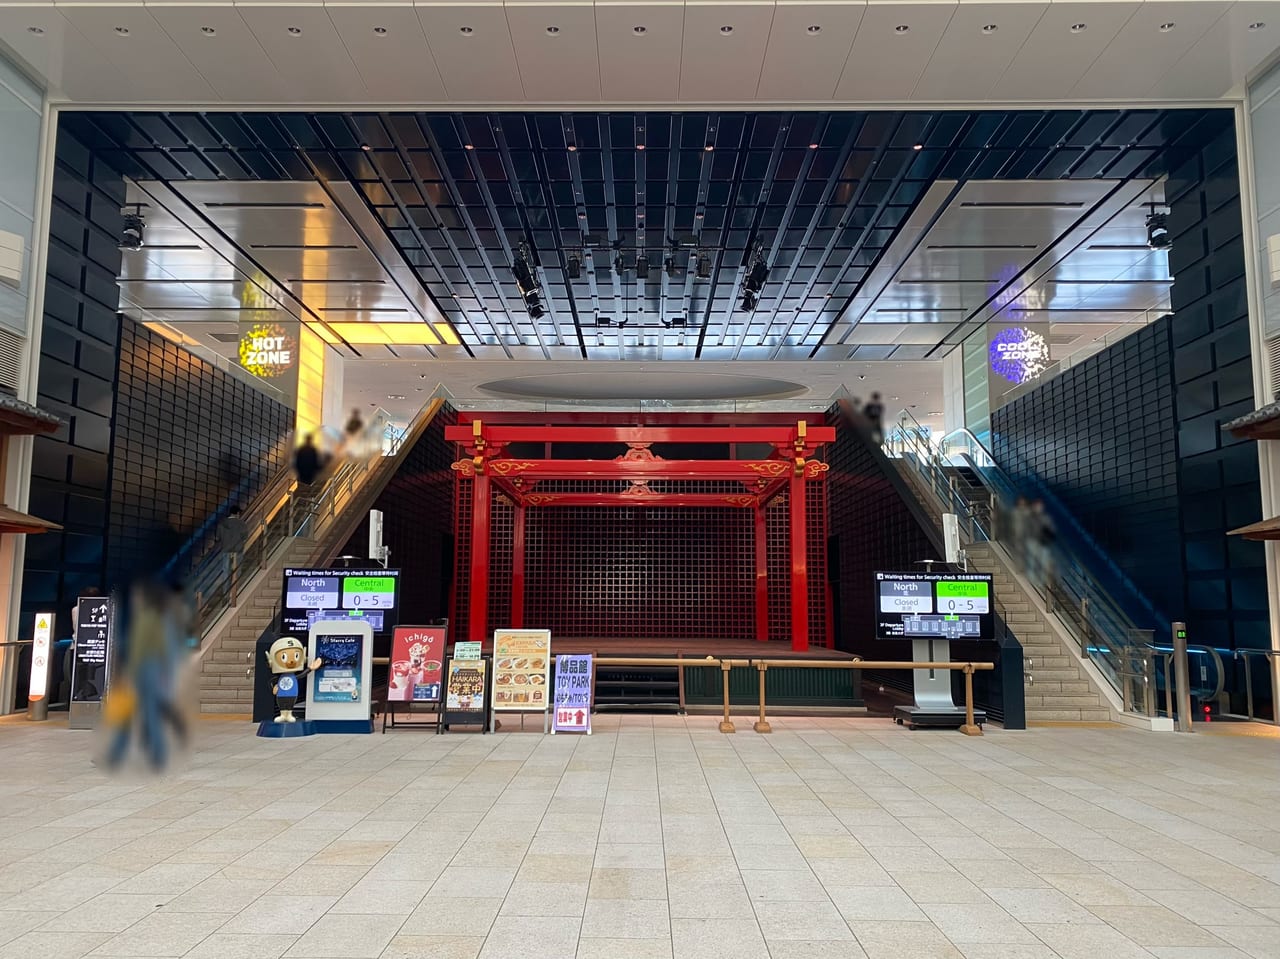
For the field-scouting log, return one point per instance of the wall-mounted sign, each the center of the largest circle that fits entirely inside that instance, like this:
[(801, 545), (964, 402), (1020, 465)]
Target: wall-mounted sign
[(1018, 354), (267, 350)]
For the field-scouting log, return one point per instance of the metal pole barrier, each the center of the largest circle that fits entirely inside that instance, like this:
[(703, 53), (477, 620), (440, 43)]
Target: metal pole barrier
[(726, 725), (762, 725), (1168, 686), (1248, 684), (969, 728), (1180, 669)]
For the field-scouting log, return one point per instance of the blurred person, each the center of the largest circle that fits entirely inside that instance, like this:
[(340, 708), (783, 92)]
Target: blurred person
[(874, 414), (140, 698), (1043, 535), (231, 536), (354, 435), (1019, 530)]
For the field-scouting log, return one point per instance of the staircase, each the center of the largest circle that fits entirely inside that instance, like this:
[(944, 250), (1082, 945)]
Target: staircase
[(1058, 688), (233, 617)]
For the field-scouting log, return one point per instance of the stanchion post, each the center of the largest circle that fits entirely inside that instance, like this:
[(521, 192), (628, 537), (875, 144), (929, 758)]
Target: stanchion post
[(726, 725), (1182, 677), (969, 728), (762, 724)]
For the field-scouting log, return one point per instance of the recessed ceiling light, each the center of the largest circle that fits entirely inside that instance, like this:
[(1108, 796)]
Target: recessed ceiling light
[(38, 31), (123, 31), (572, 148), (639, 30), (553, 30), (208, 31), (466, 31), (639, 146), (902, 28), (295, 31), (1079, 27), (709, 147), (918, 146), (813, 146), (813, 28), (697, 216), (990, 28), (726, 29), (893, 397), (380, 31), (1167, 26), (934, 413), (394, 396), (582, 216), (365, 147), (1257, 25)]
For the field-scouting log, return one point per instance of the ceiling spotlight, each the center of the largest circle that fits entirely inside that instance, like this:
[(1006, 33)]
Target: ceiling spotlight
[(395, 396), (1257, 25), (698, 216), (1079, 27), (208, 31), (679, 321), (989, 28), (619, 265), (603, 321), (468, 146), (902, 28), (669, 266), (758, 275), (523, 272), (466, 31), (131, 231), (1158, 230), (574, 266), (572, 148), (918, 146), (295, 31), (365, 147), (813, 146), (709, 147), (726, 29), (39, 31), (639, 30), (552, 31), (123, 31), (703, 262), (380, 31), (934, 413), (639, 146), (749, 301), (813, 28), (1167, 26), (642, 266), (536, 312), (582, 216)]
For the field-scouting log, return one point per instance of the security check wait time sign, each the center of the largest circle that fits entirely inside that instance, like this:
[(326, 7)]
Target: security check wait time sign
[(572, 700)]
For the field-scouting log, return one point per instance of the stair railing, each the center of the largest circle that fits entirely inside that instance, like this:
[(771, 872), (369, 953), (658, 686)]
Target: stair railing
[(1089, 613), (307, 512)]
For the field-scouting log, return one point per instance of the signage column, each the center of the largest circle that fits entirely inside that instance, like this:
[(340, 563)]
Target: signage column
[(41, 666), (91, 664)]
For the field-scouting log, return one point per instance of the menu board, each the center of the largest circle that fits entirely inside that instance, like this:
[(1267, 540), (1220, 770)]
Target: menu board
[(417, 654), (572, 709), (94, 617), (521, 665), (934, 606), (464, 690)]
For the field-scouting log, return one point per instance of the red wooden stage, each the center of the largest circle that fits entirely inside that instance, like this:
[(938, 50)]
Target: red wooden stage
[(546, 482)]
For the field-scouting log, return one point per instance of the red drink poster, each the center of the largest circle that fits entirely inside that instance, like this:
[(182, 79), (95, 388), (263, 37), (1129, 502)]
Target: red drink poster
[(417, 653)]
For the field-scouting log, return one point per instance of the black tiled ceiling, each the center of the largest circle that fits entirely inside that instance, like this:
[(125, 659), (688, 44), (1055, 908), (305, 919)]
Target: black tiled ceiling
[(459, 192)]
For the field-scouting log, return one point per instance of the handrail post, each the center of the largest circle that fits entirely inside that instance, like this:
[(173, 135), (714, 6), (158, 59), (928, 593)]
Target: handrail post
[(1182, 675), (762, 724), (969, 728), (726, 724)]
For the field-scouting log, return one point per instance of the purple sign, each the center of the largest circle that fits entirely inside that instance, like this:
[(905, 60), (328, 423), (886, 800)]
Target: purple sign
[(572, 700), (1018, 355)]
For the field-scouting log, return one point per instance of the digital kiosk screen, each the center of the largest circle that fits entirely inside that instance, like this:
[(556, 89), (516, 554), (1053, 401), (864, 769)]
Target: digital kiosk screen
[(326, 595), (934, 606)]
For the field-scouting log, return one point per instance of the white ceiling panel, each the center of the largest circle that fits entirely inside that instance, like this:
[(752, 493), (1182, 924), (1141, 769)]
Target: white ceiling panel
[(230, 58), (72, 64), (314, 63), (555, 48), (980, 43), (793, 41), (1054, 57), (475, 66), (1228, 53), (145, 55), (640, 66), (1156, 36), (396, 65), (719, 65), (886, 63)]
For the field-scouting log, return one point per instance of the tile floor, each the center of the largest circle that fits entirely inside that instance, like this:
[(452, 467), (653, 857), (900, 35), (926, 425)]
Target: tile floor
[(655, 838)]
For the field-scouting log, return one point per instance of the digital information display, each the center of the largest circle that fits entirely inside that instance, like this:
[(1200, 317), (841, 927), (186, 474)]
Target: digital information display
[(325, 595), (934, 606)]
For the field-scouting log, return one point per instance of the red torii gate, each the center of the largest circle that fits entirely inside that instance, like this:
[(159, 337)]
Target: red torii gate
[(789, 466)]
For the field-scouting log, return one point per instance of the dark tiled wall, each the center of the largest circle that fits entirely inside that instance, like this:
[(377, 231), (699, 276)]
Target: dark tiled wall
[(1103, 437), (188, 437), (1131, 438), (870, 528), (417, 525), (71, 469)]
